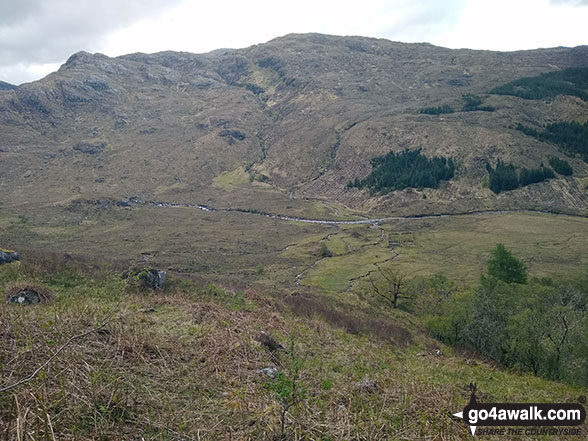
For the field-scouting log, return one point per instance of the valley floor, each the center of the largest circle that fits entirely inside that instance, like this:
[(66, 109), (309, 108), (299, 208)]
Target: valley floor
[(185, 363)]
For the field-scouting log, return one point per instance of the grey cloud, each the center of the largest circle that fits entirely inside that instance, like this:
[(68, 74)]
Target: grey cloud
[(41, 31)]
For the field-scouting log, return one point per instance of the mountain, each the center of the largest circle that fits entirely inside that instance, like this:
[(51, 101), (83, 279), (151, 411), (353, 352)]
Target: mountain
[(6, 86), (296, 118)]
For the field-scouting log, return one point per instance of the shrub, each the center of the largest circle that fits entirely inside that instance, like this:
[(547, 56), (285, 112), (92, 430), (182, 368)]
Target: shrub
[(325, 251)]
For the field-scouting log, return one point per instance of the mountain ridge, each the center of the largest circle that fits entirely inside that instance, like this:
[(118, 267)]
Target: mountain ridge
[(296, 117)]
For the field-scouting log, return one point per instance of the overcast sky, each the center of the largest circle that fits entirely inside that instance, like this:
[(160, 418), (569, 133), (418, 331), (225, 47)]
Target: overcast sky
[(37, 36)]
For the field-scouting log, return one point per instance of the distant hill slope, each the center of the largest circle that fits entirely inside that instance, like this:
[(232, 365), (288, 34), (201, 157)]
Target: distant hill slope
[(6, 86), (300, 117)]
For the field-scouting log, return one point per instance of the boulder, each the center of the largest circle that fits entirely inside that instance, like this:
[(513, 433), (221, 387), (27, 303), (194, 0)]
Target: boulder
[(25, 297), (153, 278), (270, 372), (29, 294), (89, 148), (8, 256), (148, 278)]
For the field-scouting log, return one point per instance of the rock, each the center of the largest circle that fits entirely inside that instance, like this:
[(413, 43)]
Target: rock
[(25, 297), (149, 278), (120, 123), (232, 135), (152, 278), (270, 372), (8, 256), (368, 385), (29, 294), (89, 148)]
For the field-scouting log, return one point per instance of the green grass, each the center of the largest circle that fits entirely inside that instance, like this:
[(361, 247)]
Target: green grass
[(456, 246), (228, 247)]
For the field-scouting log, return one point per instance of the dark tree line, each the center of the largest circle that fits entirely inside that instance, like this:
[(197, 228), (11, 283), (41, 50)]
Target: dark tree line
[(572, 137), (572, 81), (505, 177), (561, 166), (436, 110), (528, 176), (409, 168), (473, 103)]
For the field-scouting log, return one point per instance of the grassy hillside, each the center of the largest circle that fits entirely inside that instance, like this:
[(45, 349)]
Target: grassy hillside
[(184, 364)]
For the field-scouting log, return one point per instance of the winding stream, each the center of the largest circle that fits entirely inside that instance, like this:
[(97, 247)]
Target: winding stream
[(364, 221)]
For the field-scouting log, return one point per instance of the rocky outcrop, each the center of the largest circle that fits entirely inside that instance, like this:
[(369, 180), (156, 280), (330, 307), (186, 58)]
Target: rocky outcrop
[(89, 148), (232, 135), (153, 278), (25, 297), (8, 256), (148, 278)]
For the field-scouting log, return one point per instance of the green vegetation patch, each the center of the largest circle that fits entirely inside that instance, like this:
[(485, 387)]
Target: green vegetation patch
[(570, 136), (409, 168), (436, 110), (539, 327), (505, 177), (572, 81), (561, 166), (472, 103)]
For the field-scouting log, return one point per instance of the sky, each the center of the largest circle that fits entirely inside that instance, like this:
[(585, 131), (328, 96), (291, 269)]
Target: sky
[(37, 36)]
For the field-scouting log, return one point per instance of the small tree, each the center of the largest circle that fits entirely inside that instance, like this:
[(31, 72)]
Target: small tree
[(390, 285), (504, 266), (287, 387), (325, 251)]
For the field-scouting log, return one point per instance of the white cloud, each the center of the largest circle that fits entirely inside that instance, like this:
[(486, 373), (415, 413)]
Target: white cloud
[(25, 72), (197, 27), (36, 34), (508, 25)]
